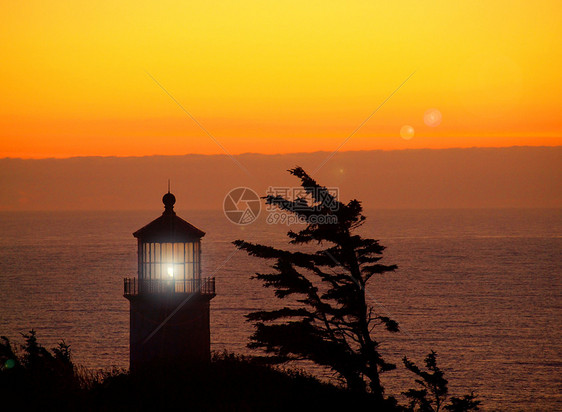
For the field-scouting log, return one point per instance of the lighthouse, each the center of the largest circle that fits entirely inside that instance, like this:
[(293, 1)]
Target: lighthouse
[(169, 300)]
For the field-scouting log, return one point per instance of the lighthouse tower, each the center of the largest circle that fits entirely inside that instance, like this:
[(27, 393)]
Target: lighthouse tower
[(169, 301)]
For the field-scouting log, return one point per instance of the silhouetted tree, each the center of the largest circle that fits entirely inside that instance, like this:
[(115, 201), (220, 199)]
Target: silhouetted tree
[(33, 373), (433, 392), (333, 322), (38, 360)]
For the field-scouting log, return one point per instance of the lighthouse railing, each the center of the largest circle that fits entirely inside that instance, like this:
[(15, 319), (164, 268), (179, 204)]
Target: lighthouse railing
[(134, 286)]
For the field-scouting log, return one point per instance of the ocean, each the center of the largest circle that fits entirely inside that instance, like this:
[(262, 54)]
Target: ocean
[(480, 287)]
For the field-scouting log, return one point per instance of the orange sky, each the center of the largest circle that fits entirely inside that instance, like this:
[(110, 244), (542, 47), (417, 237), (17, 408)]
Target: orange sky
[(276, 77)]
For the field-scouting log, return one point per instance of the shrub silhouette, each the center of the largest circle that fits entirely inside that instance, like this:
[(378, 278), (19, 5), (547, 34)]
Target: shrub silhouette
[(34, 378), (433, 392), (32, 373)]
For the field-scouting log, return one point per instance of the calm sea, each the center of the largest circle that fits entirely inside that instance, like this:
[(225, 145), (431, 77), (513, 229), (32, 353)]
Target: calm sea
[(481, 287)]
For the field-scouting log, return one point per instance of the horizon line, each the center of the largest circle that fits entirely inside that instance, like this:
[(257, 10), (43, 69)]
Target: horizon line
[(274, 154)]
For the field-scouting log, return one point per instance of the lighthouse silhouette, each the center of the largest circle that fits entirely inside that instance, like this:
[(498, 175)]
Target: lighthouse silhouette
[(169, 301)]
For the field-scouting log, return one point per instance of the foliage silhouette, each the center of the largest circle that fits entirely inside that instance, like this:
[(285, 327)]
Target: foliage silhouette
[(333, 322), (434, 391), (38, 379), (31, 369)]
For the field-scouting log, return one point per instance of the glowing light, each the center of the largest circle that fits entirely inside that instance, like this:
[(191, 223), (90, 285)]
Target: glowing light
[(407, 132), (432, 117), (10, 363), (171, 271)]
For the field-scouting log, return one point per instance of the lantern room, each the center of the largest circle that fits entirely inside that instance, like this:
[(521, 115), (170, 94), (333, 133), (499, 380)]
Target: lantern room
[(169, 255)]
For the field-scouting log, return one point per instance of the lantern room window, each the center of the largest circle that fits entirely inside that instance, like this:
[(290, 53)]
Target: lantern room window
[(170, 261)]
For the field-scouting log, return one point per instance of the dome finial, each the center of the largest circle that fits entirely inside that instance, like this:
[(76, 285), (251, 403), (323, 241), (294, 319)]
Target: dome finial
[(169, 200)]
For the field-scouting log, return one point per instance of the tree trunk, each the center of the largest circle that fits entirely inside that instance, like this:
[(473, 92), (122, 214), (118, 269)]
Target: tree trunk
[(355, 383)]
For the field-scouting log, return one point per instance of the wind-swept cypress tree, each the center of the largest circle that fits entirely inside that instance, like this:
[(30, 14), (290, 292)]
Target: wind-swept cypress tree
[(333, 322)]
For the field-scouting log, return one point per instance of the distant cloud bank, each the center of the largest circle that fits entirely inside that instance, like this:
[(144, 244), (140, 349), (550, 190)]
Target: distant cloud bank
[(447, 178)]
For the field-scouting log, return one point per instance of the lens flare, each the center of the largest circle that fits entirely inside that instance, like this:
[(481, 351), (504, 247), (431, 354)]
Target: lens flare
[(407, 132), (432, 117)]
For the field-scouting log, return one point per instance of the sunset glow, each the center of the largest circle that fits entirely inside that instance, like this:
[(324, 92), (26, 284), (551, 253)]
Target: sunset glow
[(81, 78)]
